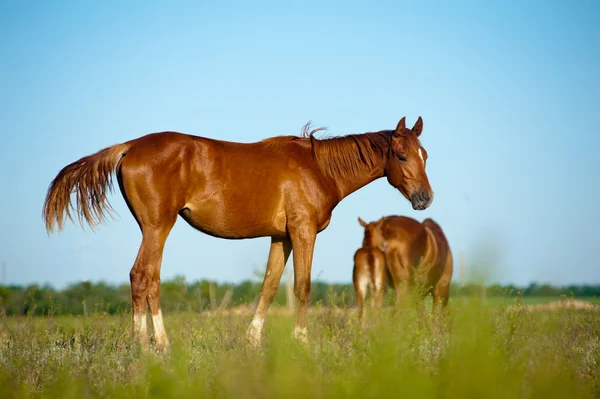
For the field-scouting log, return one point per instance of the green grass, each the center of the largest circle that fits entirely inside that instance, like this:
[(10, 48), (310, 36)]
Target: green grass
[(479, 351), (531, 300)]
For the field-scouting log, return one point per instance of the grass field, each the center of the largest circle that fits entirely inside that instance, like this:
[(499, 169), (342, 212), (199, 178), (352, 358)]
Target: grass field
[(478, 351), (532, 300)]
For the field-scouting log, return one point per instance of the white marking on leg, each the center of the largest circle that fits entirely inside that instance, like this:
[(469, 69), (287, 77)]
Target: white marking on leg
[(301, 334), (378, 285), (363, 283), (160, 334), (257, 323), (254, 332), (140, 329), (139, 323)]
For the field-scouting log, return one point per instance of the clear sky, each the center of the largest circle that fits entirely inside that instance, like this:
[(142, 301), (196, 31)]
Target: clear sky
[(509, 92)]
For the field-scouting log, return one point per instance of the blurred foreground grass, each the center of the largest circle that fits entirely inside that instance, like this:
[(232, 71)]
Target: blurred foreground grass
[(480, 350)]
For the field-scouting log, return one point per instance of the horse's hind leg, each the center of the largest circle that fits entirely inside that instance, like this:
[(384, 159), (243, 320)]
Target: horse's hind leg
[(441, 291), (399, 269), (156, 212), (161, 340), (303, 243), (145, 285), (379, 281), (360, 286), (441, 296), (278, 256)]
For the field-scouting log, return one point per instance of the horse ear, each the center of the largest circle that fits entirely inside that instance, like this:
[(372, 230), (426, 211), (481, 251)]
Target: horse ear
[(380, 223), (362, 222), (400, 128), (418, 128)]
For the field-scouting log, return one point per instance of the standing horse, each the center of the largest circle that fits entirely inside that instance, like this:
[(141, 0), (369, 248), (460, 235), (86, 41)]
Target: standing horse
[(370, 272), (285, 187), (418, 254)]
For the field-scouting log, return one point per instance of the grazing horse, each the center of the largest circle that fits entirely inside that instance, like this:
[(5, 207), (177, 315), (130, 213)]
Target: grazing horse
[(369, 268), (418, 254), (284, 187)]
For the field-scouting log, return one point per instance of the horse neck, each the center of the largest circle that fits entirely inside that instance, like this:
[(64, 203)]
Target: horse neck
[(352, 161), (346, 185)]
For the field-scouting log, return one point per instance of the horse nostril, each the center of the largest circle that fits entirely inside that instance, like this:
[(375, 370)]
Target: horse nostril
[(424, 196)]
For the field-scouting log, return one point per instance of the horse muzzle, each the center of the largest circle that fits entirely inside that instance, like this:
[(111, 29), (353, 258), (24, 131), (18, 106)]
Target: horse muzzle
[(421, 200)]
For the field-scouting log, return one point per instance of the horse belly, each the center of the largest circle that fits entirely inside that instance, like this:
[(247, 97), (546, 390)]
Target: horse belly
[(220, 219)]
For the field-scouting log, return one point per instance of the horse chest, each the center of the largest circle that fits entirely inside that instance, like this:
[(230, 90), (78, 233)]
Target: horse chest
[(324, 223)]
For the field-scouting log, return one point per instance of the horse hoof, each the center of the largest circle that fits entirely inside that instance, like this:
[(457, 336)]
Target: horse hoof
[(161, 347), (253, 342)]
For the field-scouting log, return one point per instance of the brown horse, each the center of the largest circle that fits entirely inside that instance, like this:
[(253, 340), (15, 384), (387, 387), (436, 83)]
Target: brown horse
[(418, 254), (284, 187), (369, 268)]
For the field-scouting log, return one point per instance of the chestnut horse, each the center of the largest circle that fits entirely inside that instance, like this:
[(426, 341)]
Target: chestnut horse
[(285, 187), (369, 272), (418, 254)]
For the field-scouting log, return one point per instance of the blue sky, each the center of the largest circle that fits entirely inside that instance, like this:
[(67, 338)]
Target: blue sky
[(509, 94)]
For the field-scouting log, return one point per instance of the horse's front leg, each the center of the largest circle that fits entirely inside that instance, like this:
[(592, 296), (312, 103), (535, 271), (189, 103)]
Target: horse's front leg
[(303, 244), (278, 256)]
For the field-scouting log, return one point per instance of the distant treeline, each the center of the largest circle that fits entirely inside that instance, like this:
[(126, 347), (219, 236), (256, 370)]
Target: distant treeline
[(179, 295)]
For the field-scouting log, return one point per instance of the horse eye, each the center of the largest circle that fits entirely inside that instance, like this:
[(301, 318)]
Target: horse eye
[(402, 157)]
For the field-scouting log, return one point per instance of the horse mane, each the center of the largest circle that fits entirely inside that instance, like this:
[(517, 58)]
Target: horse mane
[(337, 156)]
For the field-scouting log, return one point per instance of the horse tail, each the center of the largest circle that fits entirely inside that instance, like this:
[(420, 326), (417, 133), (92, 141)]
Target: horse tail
[(90, 178)]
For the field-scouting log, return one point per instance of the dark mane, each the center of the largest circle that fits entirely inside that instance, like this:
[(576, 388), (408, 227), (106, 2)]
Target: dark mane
[(345, 156)]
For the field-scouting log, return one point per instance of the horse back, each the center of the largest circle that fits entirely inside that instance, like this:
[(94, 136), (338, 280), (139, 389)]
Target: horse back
[(405, 236)]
